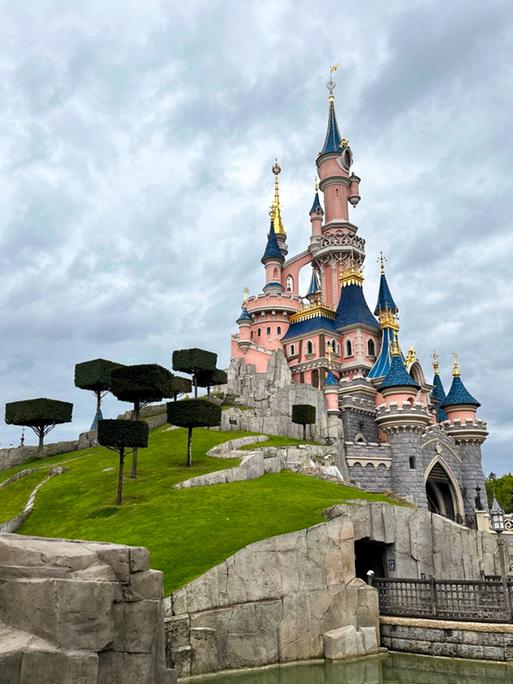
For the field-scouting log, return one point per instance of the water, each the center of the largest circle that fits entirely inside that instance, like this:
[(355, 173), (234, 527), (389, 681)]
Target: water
[(391, 669)]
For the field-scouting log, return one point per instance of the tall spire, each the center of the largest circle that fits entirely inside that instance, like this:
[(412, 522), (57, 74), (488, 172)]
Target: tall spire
[(272, 249), (385, 300), (316, 206), (458, 394), (397, 375), (438, 392), (314, 288), (278, 224), (333, 141)]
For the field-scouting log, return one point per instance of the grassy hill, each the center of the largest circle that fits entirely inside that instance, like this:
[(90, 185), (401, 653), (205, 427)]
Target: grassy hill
[(187, 531)]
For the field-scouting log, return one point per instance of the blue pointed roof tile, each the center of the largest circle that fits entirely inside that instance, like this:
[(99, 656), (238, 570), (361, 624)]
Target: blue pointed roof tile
[(385, 299), (398, 376), (330, 379), (439, 396), (352, 308), (382, 364), (316, 206), (333, 139), (458, 394), (314, 284), (308, 326), (244, 315), (272, 249)]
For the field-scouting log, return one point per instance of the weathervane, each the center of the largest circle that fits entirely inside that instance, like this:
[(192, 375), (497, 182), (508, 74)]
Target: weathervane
[(331, 82), (381, 262), (245, 295)]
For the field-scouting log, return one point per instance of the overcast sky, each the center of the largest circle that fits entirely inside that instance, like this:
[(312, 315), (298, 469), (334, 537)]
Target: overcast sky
[(136, 145)]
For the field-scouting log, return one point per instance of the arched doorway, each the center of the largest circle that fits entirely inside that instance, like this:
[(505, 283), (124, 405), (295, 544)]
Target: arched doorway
[(443, 493)]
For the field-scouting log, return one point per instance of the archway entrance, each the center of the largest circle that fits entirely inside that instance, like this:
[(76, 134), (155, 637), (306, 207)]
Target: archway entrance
[(441, 495), (369, 555)]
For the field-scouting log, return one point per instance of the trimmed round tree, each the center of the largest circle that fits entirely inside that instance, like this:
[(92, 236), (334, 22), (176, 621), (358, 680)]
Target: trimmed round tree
[(41, 415), (119, 435), (194, 361), (303, 414), (208, 378), (192, 413), (94, 376), (141, 384), (181, 386)]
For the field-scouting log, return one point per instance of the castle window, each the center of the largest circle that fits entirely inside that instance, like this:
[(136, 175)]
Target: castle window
[(268, 331), (259, 332), (290, 283), (349, 348), (279, 330), (309, 347), (251, 334), (276, 274), (412, 462), (371, 347), (292, 350)]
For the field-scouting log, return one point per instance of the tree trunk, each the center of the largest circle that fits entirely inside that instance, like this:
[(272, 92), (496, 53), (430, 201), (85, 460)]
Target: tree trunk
[(119, 496), (135, 416), (195, 380), (41, 436), (304, 432), (189, 447), (98, 409)]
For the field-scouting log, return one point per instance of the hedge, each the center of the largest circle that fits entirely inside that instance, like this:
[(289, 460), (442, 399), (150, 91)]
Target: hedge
[(145, 382), (193, 360), (123, 433), (181, 385), (95, 375), (211, 378), (303, 414), (192, 413), (38, 412)]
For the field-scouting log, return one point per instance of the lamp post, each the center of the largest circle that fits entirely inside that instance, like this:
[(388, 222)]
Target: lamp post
[(497, 525)]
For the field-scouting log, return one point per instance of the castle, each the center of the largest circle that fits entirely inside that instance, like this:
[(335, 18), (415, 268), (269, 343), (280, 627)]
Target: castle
[(400, 432)]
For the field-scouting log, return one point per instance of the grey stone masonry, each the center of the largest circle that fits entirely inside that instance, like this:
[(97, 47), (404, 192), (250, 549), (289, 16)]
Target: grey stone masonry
[(83, 612), (472, 640), (17, 455)]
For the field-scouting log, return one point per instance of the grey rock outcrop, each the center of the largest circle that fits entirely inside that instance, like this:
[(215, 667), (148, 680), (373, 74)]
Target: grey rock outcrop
[(82, 612)]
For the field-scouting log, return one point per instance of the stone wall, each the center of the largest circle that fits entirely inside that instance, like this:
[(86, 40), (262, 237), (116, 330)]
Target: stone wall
[(369, 465), (478, 641), (271, 602), (83, 612), (17, 455)]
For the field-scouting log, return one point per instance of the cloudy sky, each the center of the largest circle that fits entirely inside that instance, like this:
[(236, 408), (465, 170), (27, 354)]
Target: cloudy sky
[(136, 145)]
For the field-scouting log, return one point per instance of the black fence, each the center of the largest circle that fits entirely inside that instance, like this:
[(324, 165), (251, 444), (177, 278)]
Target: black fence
[(467, 600)]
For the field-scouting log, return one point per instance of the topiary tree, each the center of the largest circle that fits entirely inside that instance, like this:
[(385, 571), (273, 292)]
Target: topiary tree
[(141, 384), (181, 386), (194, 361), (119, 435), (191, 413), (41, 415), (208, 378), (303, 414), (94, 376)]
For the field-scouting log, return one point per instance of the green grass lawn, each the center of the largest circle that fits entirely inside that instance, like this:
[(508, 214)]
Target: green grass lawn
[(187, 531)]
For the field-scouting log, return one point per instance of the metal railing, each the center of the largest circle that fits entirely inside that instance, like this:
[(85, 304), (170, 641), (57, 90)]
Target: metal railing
[(466, 600)]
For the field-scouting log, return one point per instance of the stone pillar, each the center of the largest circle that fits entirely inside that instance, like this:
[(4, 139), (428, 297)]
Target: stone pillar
[(404, 427)]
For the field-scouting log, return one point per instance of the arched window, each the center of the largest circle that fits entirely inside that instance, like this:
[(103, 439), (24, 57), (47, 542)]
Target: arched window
[(268, 331), (251, 334), (309, 347), (290, 283), (276, 274), (349, 348), (259, 332), (279, 330), (371, 347), (412, 462), (292, 350)]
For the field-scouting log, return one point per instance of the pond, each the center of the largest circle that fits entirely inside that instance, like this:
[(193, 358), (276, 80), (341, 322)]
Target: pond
[(394, 668)]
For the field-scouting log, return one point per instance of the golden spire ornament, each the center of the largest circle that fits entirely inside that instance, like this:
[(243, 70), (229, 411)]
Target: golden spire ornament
[(381, 262), (436, 366), (328, 354), (331, 83), (245, 296), (455, 365), (396, 349), (276, 211)]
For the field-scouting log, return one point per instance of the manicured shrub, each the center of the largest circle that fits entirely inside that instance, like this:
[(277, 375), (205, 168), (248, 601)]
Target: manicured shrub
[(95, 375), (119, 435), (42, 415), (181, 386), (194, 361), (303, 414), (141, 384), (191, 413), (209, 378)]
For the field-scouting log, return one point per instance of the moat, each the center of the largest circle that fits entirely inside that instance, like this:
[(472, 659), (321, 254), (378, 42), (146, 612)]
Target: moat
[(389, 669)]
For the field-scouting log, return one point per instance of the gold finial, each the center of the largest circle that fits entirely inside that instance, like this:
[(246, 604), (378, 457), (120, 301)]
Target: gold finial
[(329, 353), (331, 83), (381, 262), (455, 365), (316, 184), (276, 212), (245, 295), (411, 357), (396, 349), (351, 272), (344, 143), (436, 366)]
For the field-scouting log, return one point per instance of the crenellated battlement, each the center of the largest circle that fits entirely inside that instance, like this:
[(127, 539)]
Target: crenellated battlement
[(410, 417), (470, 431)]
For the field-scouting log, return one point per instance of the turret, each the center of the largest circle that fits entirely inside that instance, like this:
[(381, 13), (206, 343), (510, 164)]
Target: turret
[(244, 323), (279, 228), (273, 261), (398, 387), (316, 214), (330, 388), (314, 290), (438, 393), (386, 310)]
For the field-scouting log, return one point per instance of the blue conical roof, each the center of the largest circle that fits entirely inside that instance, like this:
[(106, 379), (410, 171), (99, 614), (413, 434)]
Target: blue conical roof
[(458, 394), (244, 315), (333, 139), (314, 284), (316, 206), (97, 416), (439, 396), (382, 364), (398, 376), (352, 308), (330, 379), (385, 299), (272, 250)]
